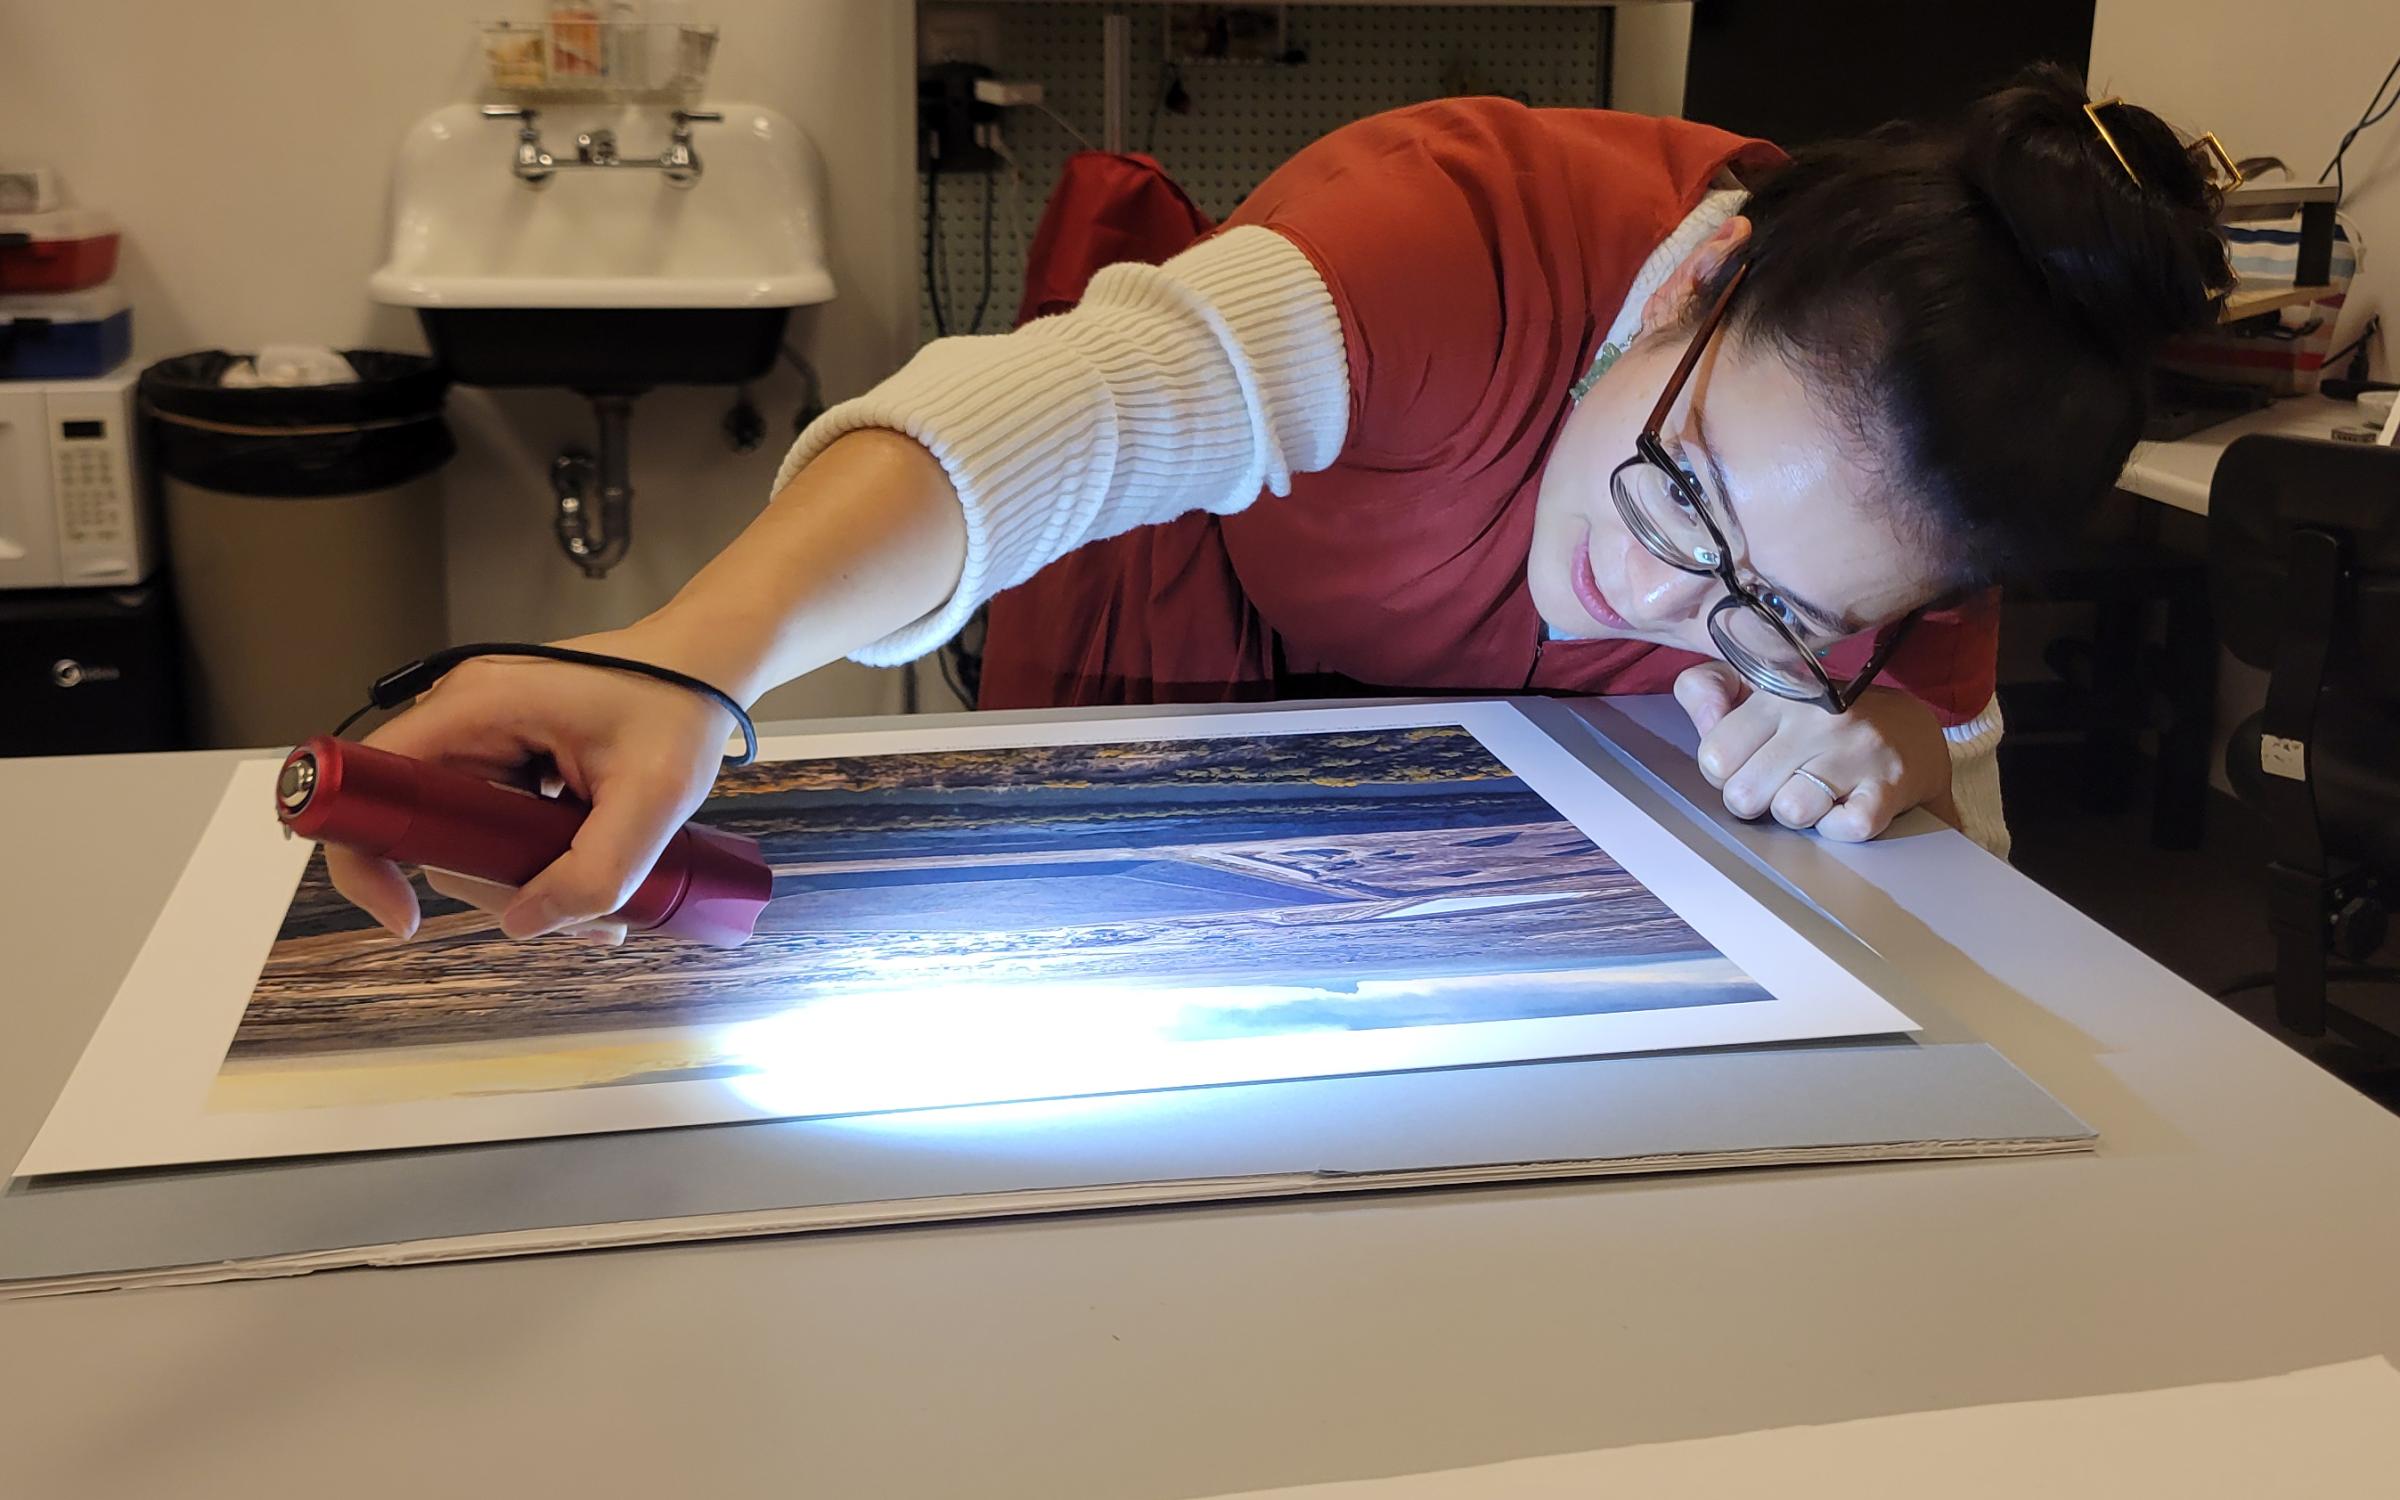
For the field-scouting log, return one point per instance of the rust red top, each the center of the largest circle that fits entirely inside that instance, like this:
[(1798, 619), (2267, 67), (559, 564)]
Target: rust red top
[(1477, 252)]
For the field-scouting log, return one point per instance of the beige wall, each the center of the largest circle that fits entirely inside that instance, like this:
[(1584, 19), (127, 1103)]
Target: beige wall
[(2285, 81), (2286, 84), (246, 145), (2283, 84), (1653, 44)]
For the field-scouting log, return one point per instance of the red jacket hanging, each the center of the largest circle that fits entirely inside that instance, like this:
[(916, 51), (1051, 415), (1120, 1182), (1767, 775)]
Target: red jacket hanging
[(1105, 210)]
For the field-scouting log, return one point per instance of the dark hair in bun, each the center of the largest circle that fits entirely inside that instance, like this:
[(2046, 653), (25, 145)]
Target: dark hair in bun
[(1982, 303)]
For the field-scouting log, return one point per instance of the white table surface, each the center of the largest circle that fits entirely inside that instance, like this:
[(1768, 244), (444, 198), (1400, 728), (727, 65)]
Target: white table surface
[(2241, 1218), (2178, 473)]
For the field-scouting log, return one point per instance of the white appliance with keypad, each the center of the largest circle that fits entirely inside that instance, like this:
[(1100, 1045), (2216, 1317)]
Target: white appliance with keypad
[(74, 510)]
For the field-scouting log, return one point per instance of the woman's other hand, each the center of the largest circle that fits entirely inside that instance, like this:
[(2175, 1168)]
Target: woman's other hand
[(1845, 775)]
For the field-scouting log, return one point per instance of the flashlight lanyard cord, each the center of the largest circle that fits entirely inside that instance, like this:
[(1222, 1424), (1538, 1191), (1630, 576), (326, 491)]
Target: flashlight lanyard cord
[(397, 687)]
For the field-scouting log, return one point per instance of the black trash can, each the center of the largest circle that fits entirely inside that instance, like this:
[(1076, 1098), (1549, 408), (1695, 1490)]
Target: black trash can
[(304, 532)]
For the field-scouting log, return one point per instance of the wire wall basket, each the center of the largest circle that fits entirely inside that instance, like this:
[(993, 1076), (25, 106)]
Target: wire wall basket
[(574, 57)]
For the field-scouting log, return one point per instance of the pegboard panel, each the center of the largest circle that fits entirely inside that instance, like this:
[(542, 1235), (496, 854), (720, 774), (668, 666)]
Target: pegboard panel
[(1244, 119)]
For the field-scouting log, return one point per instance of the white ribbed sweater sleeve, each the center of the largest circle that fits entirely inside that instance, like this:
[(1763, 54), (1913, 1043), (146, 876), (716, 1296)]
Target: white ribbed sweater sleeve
[(1188, 386), (1975, 778)]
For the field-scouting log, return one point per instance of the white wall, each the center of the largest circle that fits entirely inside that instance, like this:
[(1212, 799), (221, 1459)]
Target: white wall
[(1654, 44), (2283, 81), (245, 144), (2287, 87)]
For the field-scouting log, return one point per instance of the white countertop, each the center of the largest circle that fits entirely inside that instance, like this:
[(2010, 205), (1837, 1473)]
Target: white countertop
[(2178, 473), (2241, 1218)]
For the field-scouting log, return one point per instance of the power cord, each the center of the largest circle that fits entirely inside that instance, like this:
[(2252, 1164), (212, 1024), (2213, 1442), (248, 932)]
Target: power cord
[(983, 299), (1016, 201), (936, 254), (2377, 108), (1171, 95), (961, 659), (812, 405), (2358, 370), (402, 685), (1062, 123), (933, 240), (745, 428)]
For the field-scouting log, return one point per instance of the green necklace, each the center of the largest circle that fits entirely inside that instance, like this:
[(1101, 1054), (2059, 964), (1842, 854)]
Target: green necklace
[(1609, 354)]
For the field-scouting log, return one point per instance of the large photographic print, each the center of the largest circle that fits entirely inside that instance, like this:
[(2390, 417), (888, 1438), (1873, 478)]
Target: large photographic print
[(1001, 911), (973, 912)]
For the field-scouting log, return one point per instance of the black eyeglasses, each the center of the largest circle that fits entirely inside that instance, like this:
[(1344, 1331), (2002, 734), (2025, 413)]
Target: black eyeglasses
[(1667, 511)]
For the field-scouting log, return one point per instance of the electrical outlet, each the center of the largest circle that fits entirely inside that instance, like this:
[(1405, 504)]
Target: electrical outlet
[(950, 118)]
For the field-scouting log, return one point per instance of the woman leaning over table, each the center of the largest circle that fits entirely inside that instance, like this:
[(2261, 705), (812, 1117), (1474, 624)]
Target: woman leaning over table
[(1470, 398)]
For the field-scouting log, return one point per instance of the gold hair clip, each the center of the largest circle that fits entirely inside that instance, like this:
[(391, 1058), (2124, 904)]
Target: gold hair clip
[(2092, 112), (2216, 164), (2227, 174)]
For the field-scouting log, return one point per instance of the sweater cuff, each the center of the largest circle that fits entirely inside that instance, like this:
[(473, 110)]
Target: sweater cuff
[(1267, 302), (1975, 778), (1188, 386), (968, 401)]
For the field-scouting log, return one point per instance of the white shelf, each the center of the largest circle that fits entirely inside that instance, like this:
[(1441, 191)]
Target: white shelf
[(2240, 304)]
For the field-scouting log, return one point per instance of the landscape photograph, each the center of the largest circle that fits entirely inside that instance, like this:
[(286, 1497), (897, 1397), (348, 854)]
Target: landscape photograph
[(934, 905)]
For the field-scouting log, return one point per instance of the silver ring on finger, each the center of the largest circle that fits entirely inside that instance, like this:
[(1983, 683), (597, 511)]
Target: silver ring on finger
[(1820, 783)]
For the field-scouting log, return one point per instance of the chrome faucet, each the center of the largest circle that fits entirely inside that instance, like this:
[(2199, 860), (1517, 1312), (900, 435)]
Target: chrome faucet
[(534, 165), (679, 161)]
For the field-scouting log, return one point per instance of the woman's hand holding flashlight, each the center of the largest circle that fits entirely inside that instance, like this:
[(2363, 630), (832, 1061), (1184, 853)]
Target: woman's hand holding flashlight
[(642, 753), (864, 541)]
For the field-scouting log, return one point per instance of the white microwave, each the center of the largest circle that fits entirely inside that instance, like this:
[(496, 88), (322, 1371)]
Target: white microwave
[(73, 509)]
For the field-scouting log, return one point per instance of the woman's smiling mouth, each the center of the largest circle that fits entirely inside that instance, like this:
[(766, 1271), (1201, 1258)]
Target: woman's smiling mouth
[(1586, 583)]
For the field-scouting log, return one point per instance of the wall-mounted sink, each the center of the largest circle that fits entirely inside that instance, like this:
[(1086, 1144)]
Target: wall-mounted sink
[(607, 249), (605, 280)]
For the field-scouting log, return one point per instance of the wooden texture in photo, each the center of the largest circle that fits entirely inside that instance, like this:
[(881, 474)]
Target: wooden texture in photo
[(1290, 858)]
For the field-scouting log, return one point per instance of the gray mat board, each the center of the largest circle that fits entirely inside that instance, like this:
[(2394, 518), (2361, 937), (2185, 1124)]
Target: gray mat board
[(1857, 1093), (1606, 1109)]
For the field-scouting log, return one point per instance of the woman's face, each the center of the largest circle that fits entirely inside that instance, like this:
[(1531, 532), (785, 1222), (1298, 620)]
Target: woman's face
[(1807, 526)]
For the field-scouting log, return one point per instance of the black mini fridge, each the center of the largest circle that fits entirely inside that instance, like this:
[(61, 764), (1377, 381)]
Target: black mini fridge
[(89, 671)]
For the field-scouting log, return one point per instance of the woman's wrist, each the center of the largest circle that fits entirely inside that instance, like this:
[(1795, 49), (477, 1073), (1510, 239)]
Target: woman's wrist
[(865, 540), (726, 647), (1944, 805)]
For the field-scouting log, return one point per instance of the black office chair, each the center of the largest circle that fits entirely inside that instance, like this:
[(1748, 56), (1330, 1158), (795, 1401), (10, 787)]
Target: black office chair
[(2304, 567)]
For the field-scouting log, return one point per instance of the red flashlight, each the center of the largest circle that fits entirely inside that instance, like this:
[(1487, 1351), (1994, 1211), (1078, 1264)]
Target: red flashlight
[(708, 886)]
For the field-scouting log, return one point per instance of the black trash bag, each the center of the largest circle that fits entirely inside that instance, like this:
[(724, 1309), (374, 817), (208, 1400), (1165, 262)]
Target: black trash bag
[(298, 442)]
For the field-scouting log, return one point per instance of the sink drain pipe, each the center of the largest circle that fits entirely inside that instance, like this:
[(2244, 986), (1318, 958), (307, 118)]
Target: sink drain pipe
[(595, 493)]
